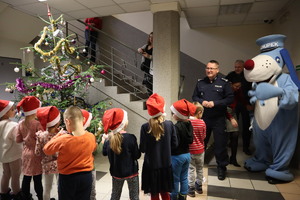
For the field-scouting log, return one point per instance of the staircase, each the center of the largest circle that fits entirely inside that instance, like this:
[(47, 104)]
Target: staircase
[(120, 79)]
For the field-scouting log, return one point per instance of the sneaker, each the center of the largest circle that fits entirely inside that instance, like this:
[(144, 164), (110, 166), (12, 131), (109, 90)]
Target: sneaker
[(191, 192), (198, 188)]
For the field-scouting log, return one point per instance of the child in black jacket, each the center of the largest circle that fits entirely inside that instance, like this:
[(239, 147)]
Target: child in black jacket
[(122, 151)]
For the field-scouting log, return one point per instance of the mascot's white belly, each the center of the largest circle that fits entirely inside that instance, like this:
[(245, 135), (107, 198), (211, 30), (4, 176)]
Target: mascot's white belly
[(265, 114)]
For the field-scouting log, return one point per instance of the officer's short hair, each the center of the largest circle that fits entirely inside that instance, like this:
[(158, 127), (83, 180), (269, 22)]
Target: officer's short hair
[(239, 61), (214, 61)]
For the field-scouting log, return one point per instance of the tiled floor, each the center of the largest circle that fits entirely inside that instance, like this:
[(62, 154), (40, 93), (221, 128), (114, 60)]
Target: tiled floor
[(239, 184)]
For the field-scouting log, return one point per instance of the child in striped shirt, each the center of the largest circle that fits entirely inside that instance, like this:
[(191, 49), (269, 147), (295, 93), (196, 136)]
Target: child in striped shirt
[(197, 152)]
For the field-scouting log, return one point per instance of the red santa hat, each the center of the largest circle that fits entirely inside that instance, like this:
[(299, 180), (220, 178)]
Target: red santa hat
[(114, 119), (156, 105), (29, 104), (48, 116), (87, 118), (183, 108), (5, 106)]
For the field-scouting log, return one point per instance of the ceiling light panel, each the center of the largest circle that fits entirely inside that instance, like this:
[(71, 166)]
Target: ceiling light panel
[(202, 3), (235, 9)]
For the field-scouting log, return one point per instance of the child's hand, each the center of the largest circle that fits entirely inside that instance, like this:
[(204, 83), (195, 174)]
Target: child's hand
[(234, 123), (60, 131), (104, 137)]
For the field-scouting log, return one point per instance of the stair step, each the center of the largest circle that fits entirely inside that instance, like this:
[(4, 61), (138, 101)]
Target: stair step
[(125, 88), (138, 96)]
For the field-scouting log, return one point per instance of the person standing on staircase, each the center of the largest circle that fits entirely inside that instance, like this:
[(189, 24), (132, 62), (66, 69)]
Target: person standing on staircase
[(146, 64), (91, 36)]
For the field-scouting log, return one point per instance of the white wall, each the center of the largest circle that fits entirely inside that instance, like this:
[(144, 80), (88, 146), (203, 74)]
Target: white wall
[(288, 24), (16, 31), (11, 48), (225, 44)]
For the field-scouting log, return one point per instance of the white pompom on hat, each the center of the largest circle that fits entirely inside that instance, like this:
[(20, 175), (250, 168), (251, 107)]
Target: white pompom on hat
[(48, 116), (114, 120), (183, 109), (155, 105), (5, 106), (87, 118), (29, 104)]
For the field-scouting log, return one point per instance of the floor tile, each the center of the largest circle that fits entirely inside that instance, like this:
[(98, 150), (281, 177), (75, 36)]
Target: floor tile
[(213, 180), (263, 185), (291, 188), (243, 194), (99, 175), (217, 198), (290, 196), (219, 191), (241, 183)]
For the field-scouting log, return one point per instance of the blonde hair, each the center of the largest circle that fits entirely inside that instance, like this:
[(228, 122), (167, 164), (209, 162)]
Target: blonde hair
[(73, 113), (156, 127), (115, 142), (199, 108)]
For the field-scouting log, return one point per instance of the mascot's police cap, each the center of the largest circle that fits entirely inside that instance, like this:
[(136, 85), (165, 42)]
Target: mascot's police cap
[(271, 42)]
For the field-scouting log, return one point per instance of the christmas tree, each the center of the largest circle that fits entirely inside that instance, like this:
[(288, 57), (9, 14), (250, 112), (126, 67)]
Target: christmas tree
[(63, 82)]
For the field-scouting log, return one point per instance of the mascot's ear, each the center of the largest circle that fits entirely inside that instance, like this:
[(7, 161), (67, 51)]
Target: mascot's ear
[(287, 59)]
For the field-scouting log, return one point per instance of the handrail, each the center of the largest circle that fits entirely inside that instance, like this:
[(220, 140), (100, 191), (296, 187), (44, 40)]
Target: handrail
[(98, 30), (120, 103), (115, 58)]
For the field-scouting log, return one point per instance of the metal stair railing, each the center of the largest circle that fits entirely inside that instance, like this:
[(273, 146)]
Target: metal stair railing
[(124, 69)]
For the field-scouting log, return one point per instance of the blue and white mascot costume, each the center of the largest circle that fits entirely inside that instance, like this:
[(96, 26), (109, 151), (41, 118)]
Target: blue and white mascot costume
[(275, 123)]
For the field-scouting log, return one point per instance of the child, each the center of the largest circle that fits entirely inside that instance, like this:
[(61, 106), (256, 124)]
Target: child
[(49, 118), (87, 117), (181, 158), (158, 137), (10, 152), (197, 151), (31, 163), (75, 157), (231, 122), (122, 151), (232, 128)]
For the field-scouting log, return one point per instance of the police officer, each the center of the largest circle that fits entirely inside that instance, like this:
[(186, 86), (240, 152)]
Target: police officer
[(215, 94)]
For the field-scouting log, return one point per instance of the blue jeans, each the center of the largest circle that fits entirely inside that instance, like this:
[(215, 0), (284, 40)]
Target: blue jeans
[(91, 39), (180, 165)]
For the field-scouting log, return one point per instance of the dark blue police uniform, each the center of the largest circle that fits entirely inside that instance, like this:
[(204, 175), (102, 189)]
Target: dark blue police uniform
[(219, 91)]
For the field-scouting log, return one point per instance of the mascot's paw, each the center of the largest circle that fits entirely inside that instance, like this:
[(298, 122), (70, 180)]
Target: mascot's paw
[(284, 176), (247, 168), (264, 91), (252, 99), (275, 181), (252, 165)]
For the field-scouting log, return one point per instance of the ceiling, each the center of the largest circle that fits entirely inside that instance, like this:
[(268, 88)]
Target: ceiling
[(199, 13)]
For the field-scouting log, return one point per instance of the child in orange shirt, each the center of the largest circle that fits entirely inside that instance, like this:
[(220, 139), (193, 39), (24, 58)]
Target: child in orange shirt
[(75, 157)]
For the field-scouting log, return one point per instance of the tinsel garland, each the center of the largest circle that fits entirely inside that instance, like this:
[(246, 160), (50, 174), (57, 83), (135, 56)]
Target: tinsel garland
[(21, 87)]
